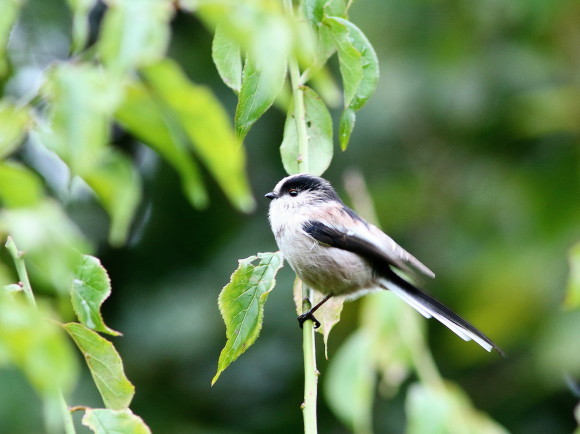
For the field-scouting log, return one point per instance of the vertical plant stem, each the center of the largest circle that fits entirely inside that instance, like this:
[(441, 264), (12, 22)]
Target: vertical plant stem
[(308, 343), (310, 374), (66, 421)]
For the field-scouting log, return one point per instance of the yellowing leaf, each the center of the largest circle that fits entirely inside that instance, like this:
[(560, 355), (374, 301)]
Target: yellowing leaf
[(142, 116), (206, 125), (241, 304), (19, 187), (105, 365), (13, 125)]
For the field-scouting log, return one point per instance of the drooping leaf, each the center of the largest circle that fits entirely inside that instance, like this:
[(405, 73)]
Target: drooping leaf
[(350, 382), (91, 286), (573, 292), (13, 126), (350, 59), (10, 10), (227, 58), (82, 99), (206, 125), (134, 33), (35, 345), (53, 244), (118, 187), (362, 68), (318, 124), (328, 315), (263, 76), (80, 31), (443, 410), (19, 187), (347, 120), (241, 304), (105, 365), (106, 421), (142, 116)]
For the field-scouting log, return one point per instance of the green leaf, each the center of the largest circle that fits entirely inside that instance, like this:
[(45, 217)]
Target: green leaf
[(349, 58), (118, 187), (82, 99), (319, 130), (105, 365), (263, 76), (140, 114), (241, 304), (134, 33), (444, 410), (104, 421), (359, 64), (10, 10), (350, 383), (227, 58), (91, 286), (347, 120), (206, 124), (572, 300), (36, 345), (19, 187), (53, 244), (13, 126), (80, 32)]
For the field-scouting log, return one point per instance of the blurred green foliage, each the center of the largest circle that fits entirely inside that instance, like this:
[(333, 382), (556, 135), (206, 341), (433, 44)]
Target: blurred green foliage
[(470, 147)]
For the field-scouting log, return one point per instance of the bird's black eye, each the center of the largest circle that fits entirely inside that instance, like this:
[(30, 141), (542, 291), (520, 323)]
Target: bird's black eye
[(293, 192)]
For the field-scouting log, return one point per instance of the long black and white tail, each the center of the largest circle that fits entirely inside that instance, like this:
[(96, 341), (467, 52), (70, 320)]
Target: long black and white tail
[(429, 307)]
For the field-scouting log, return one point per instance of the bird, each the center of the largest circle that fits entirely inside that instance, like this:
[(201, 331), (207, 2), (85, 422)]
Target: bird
[(336, 252)]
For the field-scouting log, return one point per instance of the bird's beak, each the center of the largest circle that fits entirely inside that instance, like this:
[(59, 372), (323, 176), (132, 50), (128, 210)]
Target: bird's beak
[(271, 195)]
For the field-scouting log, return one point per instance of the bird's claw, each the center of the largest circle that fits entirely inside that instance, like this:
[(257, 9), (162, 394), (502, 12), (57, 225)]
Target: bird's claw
[(308, 316)]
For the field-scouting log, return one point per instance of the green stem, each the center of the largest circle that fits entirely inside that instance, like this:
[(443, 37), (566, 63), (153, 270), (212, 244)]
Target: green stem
[(50, 405), (310, 374), (21, 270), (308, 342)]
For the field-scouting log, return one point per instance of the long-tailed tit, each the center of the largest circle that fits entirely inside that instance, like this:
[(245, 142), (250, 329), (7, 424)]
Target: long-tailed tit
[(337, 253)]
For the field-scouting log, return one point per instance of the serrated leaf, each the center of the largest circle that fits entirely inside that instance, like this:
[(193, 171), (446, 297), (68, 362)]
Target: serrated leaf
[(118, 188), (227, 59), (105, 421), (19, 187), (241, 304), (142, 116), (263, 75), (134, 33), (105, 365), (36, 345), (350, 383), (82, 99), (10, 10), (347, 120), (91, 286), (13, 127), (206, 124), (572, 300), (319, 130)]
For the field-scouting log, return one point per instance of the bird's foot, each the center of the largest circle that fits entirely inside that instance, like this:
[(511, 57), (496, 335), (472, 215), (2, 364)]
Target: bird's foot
[(308, 316)]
